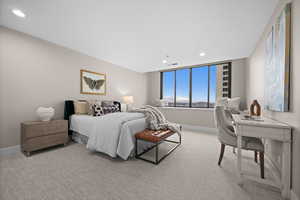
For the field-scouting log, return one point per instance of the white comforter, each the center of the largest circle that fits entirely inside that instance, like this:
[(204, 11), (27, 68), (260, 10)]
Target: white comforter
[(113, 133)]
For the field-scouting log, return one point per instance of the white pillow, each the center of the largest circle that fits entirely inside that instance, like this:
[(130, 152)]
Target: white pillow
[(234, 103), (123, 107)]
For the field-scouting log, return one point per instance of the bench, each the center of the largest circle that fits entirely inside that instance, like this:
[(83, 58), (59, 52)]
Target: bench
[(155, 137)]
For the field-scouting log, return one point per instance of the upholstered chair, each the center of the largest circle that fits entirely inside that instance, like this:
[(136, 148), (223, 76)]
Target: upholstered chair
[(227, 136)]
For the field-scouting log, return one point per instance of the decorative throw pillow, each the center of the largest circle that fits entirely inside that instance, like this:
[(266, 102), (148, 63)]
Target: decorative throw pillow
[(91, 104), (97, 110), (118, 107), (110, 109), (81, 107), (107, 103)]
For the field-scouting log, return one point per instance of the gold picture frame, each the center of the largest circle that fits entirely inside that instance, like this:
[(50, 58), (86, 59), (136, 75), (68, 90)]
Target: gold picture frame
[(92, 82)]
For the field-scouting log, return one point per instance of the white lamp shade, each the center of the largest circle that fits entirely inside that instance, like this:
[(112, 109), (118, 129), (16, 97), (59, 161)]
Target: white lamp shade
[(128, 99)]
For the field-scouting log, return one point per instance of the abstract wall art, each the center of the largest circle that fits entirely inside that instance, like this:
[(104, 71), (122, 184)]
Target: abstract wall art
[(277, 66)]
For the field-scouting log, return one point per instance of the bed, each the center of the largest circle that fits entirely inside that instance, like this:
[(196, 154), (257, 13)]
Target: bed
[(112, 134)]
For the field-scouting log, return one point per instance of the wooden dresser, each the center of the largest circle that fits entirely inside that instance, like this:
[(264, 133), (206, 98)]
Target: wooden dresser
[(37, 135)]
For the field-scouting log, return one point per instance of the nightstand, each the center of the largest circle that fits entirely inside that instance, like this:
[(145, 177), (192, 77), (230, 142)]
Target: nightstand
[(38, 135)]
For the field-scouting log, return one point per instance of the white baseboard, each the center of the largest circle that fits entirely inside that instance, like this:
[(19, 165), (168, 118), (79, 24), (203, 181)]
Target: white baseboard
[(10, 150), (294, 196), (199, 128)]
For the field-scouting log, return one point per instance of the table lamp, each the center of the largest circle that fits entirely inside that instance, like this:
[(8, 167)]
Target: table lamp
[(128, 100)]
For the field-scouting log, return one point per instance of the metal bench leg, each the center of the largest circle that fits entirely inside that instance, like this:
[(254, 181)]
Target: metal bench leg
[(156, 154), (136, 147), (156, 146)]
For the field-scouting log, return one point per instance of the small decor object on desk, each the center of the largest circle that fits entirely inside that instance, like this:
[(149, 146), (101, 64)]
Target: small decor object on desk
[(45, 114), (255, 108)]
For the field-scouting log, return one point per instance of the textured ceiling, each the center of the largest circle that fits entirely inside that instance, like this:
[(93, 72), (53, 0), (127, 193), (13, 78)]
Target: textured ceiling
[(138, 34)]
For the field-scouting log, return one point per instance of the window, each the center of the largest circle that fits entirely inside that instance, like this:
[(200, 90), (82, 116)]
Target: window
[(213, 85), (197, 87), (168, 87), (182, 87), (200, 87)]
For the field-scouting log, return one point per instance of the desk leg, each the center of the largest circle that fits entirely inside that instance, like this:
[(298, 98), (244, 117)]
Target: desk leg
[(239, 155), (286, 170)]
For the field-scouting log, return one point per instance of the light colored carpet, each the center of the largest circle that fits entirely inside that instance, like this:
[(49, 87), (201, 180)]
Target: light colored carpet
[(190, 172)]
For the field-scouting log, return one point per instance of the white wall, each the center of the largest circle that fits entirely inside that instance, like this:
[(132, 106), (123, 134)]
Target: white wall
[(255, 90), (37, 73), (238, 84), (198, 116), (191, 116)]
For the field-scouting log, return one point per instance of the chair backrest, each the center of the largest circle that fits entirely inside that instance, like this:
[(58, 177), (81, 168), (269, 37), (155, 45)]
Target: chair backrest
[(225, 134), (220, 117)]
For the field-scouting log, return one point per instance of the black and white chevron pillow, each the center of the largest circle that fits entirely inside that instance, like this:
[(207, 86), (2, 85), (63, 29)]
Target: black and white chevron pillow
[(110, 109)]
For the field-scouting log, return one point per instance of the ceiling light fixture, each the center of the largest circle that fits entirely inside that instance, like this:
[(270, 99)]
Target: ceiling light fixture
[(168, 63), (202, 54), (18, 13), (166, 60)]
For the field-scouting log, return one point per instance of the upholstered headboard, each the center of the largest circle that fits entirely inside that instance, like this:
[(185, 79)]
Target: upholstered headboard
[(69, 109)]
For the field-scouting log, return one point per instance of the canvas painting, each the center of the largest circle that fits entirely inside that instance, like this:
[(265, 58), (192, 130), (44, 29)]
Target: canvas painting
[(278, 63), (92, 82)]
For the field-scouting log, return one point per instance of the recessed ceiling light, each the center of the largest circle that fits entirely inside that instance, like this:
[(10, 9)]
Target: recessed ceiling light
[(202, 54), (18, 13), (164, 61)]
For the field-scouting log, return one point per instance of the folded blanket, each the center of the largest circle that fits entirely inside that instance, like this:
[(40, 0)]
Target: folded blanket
[(157, 120)]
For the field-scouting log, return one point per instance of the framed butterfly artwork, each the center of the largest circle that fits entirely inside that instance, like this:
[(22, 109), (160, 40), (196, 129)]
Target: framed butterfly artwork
[(92, 83)]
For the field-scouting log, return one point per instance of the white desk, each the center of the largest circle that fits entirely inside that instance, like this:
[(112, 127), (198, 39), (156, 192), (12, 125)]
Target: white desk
[(270, 129)]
